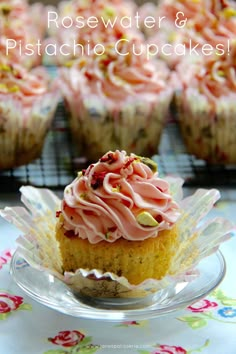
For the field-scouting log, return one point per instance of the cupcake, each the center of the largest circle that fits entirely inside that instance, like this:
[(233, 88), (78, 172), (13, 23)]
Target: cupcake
[(27, 104), (118, 216), (122, 237), (190, 28), (117, 101), (206, 108)]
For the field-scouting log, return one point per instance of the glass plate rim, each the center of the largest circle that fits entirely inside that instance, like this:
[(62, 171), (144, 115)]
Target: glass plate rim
[(114, 315)]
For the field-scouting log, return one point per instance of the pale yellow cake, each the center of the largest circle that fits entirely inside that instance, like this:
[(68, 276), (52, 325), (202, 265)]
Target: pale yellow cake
[(135, 260)]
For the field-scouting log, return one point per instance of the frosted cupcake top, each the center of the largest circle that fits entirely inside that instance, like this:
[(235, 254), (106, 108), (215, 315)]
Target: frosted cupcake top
[(94, 22), (20, 26), (119, 196), (199, 26), (214, 77), (116, 78), (211, 20), (22, 85)]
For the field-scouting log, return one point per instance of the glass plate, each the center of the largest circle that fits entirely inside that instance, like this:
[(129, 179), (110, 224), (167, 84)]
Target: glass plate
[(48, 290)]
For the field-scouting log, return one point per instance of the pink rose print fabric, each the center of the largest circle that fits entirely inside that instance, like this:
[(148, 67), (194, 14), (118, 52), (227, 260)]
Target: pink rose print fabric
[(202, 306), (173, 349), (222, 310), (167, 349), (5, 257), (9, 302), (72, 342), (67, 338)]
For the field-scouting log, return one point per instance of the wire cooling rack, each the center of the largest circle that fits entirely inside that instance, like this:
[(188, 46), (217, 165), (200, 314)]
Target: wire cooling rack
[(59, 163)]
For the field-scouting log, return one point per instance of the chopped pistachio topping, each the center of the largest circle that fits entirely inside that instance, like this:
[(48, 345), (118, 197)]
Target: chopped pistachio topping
[(116, 189), (5, 67), (146, 219), (107, 235), (221, 73), (69, 63), (6, 9), (172, 37), (150, 163), (68, 190), (108, 12), (229, 12), (14, 88), (3, 87)]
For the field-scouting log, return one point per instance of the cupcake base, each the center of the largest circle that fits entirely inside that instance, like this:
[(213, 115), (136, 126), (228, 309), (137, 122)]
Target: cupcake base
[(23, 130), (135, 127), (134, 260), (16, 156), (208, 131)]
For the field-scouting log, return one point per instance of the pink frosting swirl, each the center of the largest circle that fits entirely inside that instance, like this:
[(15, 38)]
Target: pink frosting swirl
[(108, 27), (24, 85), (208, 22), (214, 77), (116, 78), (30, 92), (105, 200)]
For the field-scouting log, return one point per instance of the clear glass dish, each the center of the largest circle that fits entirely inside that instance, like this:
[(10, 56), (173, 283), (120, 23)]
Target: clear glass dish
[(48, 290)]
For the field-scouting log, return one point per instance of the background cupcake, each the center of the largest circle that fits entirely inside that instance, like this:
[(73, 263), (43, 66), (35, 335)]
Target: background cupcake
[(206, 108), (20, 30), (191, 24), (117, 101), (27, 106), (107, 28), (119, 216)]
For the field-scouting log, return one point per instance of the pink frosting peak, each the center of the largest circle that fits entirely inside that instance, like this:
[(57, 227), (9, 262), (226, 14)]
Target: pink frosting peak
[(109, 199)]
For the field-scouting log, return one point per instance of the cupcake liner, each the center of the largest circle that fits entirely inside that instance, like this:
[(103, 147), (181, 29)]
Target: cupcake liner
[(23, 129), (38, 245), (135, 127), (208, 132)]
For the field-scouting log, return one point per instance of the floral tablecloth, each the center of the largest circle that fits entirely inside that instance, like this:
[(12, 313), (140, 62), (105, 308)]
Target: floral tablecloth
[(27, 327)]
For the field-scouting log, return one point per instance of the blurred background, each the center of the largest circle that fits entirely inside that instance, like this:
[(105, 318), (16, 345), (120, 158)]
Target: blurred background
[(57, 166)]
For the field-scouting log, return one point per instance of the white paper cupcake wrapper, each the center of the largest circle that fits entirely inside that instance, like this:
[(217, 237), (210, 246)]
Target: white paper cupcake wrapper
[(23, 129), (212, 129), (38, 245), (99, 125)]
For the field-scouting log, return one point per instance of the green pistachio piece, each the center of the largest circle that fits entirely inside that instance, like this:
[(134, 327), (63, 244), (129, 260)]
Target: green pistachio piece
[(229, 12), (146, 219), (6, 9), (4, 67), (14, 88), (116, 189), (150, 163), (108, 12)]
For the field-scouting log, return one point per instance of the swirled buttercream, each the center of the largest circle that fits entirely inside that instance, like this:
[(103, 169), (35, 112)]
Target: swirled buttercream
[(25, 86), (119, 196), (114, 78), (214, 77), (21, 30)]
